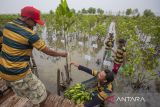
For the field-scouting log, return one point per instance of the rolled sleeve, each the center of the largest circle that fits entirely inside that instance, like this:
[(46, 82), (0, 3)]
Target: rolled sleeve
[(40, 44)]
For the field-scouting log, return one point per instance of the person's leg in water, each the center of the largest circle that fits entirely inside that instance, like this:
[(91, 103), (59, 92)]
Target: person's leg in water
[(109, 53), (105, 53)]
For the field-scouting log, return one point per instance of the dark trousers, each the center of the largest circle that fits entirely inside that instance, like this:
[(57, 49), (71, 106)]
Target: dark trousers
[(89, 84), (95, 101)]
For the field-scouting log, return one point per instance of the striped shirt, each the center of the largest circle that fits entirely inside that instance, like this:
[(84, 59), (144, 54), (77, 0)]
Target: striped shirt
[(109, 43), (1, 34), (17, 46), (103, 90), (120, 55)]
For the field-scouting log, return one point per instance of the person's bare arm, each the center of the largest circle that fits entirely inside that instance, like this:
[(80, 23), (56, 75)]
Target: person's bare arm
[(51, 52)]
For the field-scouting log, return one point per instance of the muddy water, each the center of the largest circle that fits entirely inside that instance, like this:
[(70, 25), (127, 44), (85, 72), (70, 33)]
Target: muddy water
[(78, 51)]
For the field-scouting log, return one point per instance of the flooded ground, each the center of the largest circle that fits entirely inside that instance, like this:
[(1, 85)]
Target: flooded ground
[(87, 53), (82, 54)]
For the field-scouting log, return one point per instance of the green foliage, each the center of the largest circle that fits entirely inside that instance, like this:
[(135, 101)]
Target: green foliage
[(141, 62), (135, 12), (150, 26), (129, 11), (84, 11), (92, 10), (100, 11), (73, 10), (6, 18), (100, 30), (51, 12), (148, 13), (63, 16), (63, 9), (78, 94)]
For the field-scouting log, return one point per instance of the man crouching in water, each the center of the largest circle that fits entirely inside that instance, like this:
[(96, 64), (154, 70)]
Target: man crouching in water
[(101, 83)]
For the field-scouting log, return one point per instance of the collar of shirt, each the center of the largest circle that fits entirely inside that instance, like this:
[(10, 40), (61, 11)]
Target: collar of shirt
[(20, 22)]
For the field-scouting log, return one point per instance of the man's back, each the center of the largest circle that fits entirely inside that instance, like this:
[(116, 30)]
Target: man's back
[(1, 35), (18, 42)]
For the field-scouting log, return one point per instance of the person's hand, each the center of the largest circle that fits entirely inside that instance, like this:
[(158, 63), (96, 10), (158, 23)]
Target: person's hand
[(64, 54), (71, 63), (74, 63)]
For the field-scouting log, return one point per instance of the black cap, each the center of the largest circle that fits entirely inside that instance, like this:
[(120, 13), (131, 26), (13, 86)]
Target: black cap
[(109, 75)]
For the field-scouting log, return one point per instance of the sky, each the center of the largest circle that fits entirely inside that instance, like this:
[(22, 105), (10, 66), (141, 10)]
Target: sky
[(14, 6)]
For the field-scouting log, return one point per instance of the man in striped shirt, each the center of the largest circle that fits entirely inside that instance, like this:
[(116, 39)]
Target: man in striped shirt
[(120, 55), (19, 39), (109, 45)]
